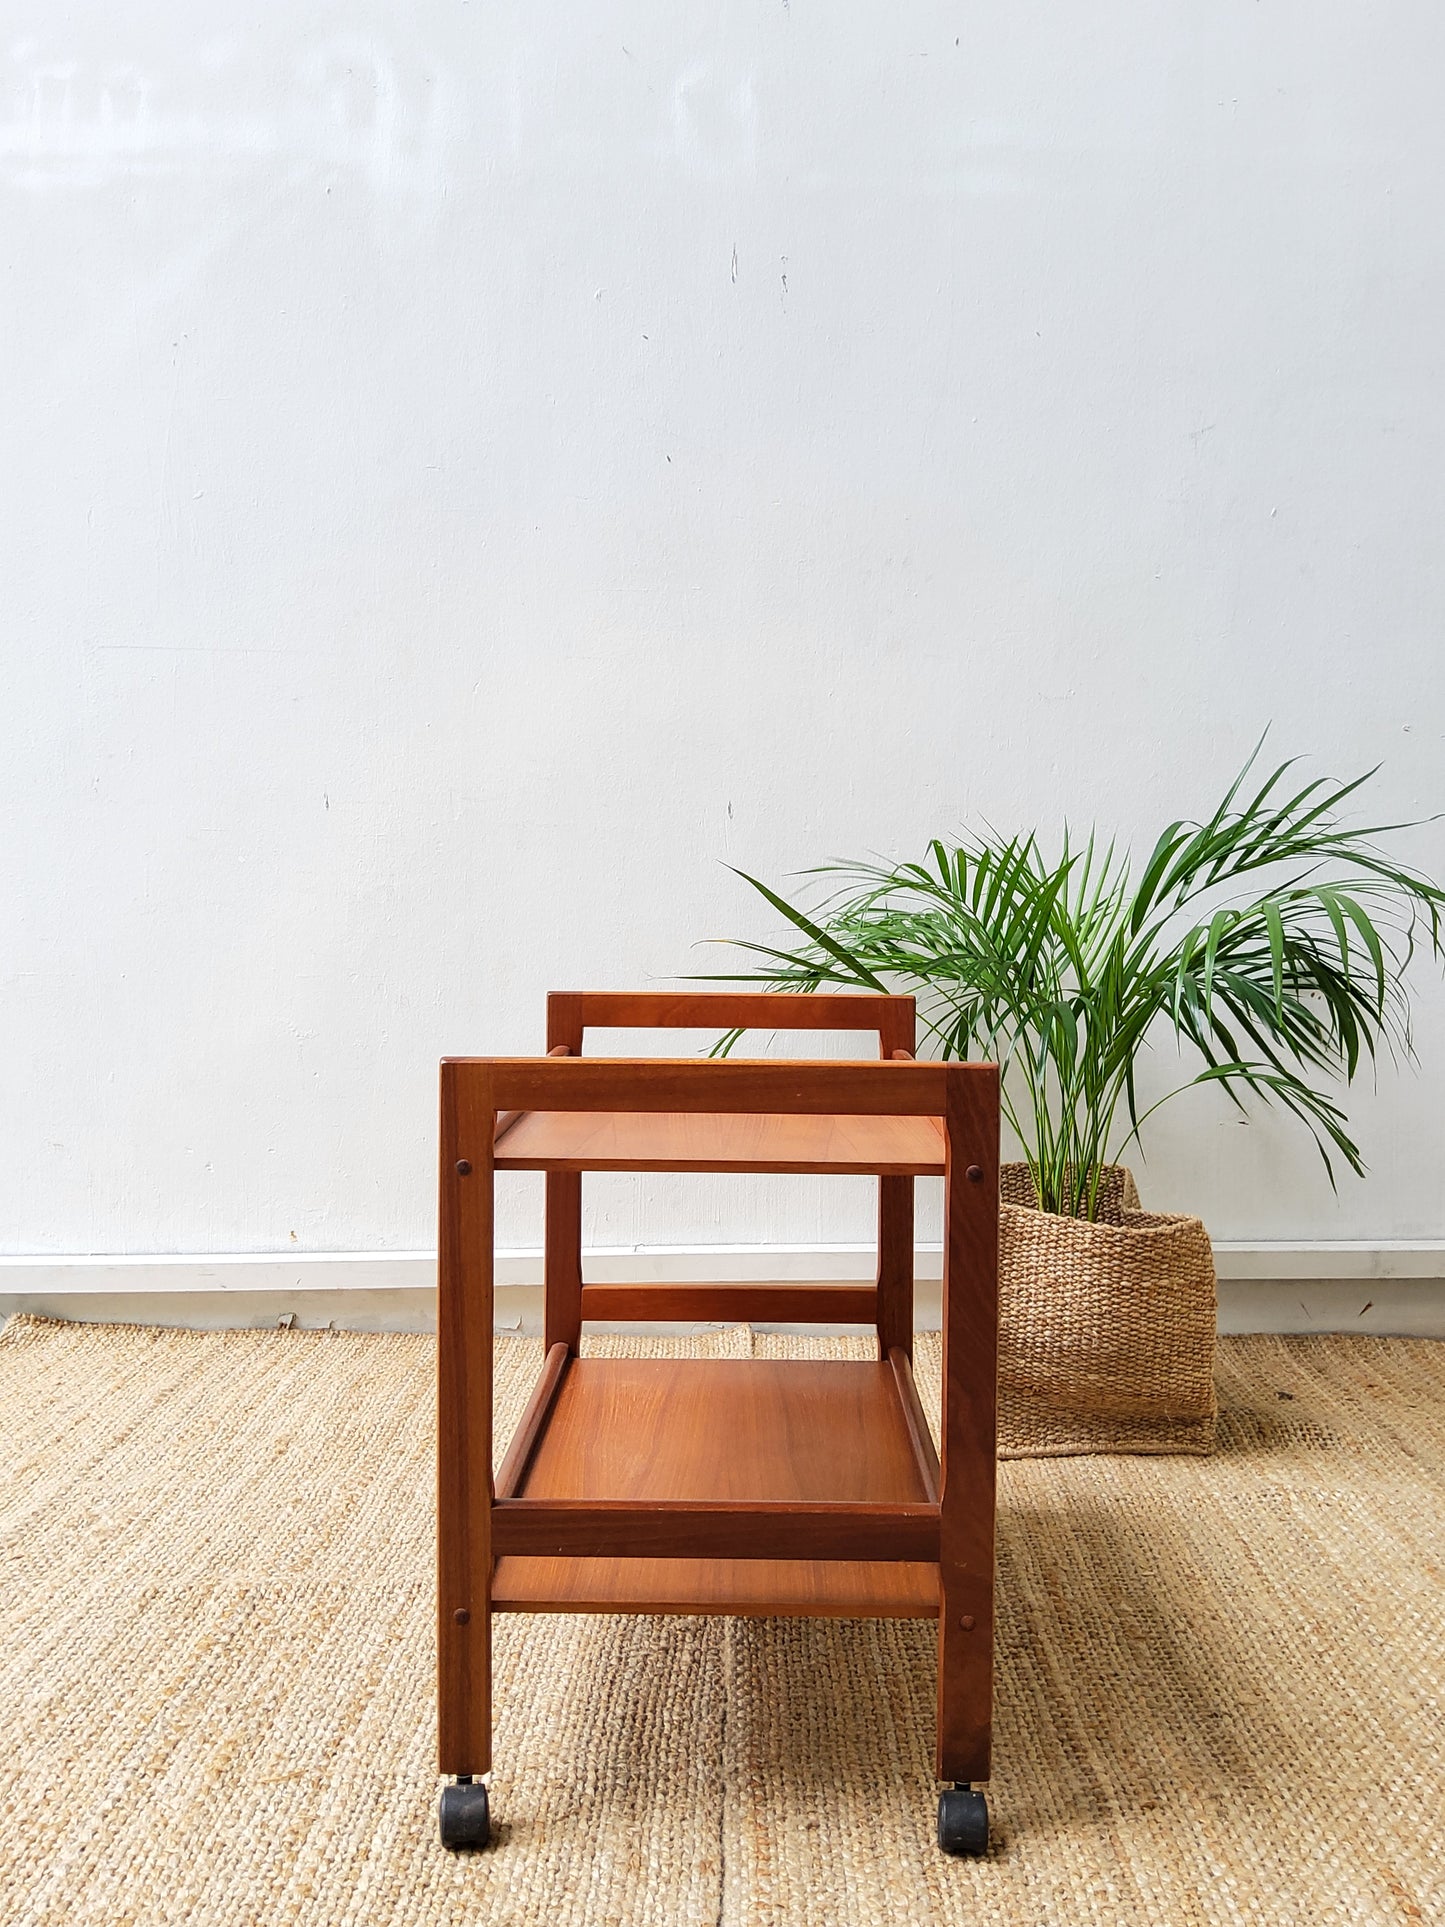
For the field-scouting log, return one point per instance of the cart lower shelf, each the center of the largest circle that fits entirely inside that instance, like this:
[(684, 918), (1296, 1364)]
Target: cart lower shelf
[(783, 1431)]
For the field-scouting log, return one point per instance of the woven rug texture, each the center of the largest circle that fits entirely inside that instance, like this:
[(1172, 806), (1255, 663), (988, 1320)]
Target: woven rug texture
[(1221, 1682)]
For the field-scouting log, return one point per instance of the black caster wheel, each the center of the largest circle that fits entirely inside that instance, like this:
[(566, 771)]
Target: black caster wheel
[(464, 1816), (962, 1820)]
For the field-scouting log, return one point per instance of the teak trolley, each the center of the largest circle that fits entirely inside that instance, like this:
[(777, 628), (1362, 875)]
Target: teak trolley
[(755, 1486)]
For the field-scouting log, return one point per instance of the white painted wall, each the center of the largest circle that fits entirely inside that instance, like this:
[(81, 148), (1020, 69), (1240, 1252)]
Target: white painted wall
[(470, 471)]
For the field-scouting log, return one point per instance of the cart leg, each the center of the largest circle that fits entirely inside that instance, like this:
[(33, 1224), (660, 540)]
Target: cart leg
[(562, 1262), (562, 1245), (965, 1681), (966, 1502), (965, 1707), (465, 1725), (464, 1452), (895, 1265)]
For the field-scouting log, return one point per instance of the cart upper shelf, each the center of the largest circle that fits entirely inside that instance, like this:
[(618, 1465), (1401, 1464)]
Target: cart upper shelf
[(719, 1141)]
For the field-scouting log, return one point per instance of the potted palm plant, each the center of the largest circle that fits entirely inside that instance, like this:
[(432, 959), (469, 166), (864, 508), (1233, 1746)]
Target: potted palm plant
[(1273, 938)]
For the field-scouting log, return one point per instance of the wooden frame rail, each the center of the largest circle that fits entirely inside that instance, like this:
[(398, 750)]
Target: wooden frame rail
[(742, 1304), (713, 1529), (802, 1087), (924, 1452), (892, 1018), (512, 1472)]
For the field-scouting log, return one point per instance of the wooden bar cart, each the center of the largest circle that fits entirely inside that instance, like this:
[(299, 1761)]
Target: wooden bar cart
[(752, 1486)]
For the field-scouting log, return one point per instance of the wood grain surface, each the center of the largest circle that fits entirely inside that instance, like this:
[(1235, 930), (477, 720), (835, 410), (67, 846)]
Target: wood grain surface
[(749, 1588), (567, 1141)]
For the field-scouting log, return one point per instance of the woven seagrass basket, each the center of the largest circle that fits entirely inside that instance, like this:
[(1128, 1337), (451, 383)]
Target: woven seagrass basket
[(1106, 1329)]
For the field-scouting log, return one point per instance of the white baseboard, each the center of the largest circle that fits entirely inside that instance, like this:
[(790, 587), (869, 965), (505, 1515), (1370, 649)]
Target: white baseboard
[(1396, 1286)]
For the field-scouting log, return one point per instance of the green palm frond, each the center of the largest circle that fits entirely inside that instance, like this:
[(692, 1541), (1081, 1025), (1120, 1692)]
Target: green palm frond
[(1273, 938)]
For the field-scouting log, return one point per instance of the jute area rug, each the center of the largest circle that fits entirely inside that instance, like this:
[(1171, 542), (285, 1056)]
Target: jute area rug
[(1221, 1692)]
